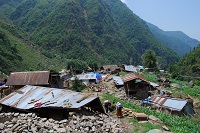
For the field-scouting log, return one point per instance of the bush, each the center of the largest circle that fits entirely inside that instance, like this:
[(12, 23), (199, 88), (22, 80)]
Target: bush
[(77, 85)]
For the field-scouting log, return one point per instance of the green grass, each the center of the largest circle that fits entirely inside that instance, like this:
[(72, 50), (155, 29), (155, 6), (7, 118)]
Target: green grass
[(143, 127), (175, 123), (150, 77), (123, 73)]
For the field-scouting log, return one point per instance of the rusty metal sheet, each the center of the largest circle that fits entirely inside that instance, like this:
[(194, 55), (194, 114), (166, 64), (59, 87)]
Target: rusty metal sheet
[(29, 78), (49, 97), (133, 76), (170, 103)]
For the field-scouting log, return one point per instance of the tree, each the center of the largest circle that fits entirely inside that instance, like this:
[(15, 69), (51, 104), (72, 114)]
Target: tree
[(150, 59), (77, 85)]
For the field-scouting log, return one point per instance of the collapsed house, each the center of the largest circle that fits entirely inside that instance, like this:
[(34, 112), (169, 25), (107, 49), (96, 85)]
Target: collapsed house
[(173, 106), (111, 69), (129, 68), (17, 80), (49, 102), (136, 86)]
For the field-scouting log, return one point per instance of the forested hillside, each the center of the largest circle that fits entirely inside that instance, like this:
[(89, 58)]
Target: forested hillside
[(176, 40), (189, 64), (16, 54), (92, 31)]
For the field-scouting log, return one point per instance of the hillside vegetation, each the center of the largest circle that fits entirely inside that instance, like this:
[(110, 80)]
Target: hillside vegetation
[(92, 31), (176, 40), (16, 54), (189, 64)]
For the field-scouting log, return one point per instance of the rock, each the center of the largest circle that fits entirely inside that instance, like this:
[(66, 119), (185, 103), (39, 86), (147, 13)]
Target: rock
[(1, 126), (34, 130), (16, 114), (63, 121), (51, 120), (10, 125), (15, 126), (44, 119), (14, 120), (61, 130), (191, 84)]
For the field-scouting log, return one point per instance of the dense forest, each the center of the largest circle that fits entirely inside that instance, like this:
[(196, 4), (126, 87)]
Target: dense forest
[(189, 64), (51, 34)]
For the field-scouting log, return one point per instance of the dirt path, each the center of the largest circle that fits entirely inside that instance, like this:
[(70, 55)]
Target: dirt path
[(125, 124)]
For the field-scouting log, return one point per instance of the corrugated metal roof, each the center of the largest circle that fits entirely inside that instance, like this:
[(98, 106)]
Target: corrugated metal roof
[(130, 68), (29, 78), (118, 80), (58, 98), (86, 76), (170, 103), (133, 76)]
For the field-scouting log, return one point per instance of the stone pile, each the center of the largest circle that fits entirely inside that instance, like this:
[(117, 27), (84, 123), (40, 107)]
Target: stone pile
[(84, 122)]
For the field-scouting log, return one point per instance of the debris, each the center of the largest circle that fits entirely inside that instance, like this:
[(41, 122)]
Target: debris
[(83, 98), (140, 116)]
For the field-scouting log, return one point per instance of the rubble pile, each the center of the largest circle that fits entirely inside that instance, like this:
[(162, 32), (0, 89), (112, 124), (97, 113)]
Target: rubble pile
[(121, 94), (85, 122)]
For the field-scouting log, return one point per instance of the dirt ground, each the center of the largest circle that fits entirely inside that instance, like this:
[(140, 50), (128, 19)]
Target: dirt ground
[(126, 125)]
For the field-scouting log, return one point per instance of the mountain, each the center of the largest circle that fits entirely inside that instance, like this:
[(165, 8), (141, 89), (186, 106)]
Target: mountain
[(16, 52), (176, 40), (92, 31), (189, 64)]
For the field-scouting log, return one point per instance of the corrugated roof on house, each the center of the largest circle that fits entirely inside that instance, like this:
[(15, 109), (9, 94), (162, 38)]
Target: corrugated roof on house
[(111, 67), (29, 78), (118, 80), (170, 103), (130, 68), (133, 76), (85, 76), (51, 97)]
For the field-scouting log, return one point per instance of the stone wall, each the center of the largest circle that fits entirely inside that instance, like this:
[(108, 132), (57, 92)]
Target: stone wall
[(82, 122)]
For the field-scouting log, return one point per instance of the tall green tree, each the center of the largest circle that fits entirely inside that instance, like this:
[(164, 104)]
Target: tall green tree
[(150, 59)]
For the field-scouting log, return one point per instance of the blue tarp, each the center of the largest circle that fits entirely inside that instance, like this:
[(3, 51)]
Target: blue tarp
[(98, 76)]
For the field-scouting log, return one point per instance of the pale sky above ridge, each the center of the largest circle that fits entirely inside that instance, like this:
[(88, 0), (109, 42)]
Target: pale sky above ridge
[(169, 15)]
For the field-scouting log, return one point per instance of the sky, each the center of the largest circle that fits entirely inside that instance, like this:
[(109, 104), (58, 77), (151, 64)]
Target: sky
[(169, 15)]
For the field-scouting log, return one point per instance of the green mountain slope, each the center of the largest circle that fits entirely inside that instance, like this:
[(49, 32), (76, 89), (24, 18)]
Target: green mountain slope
[(16, 54), (176, 40), (189, 64), (98, 31)]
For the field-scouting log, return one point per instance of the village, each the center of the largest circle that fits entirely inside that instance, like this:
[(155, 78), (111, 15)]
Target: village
[(45, 101)]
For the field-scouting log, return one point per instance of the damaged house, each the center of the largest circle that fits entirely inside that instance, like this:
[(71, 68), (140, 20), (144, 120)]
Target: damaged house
[(129, 68), (136, 86), (112, 69), (49, 102), (17, 80), (180, 107)]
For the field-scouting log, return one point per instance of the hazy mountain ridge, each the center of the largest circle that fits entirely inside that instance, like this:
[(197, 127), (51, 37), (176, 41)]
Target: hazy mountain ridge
[(176, 40)]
